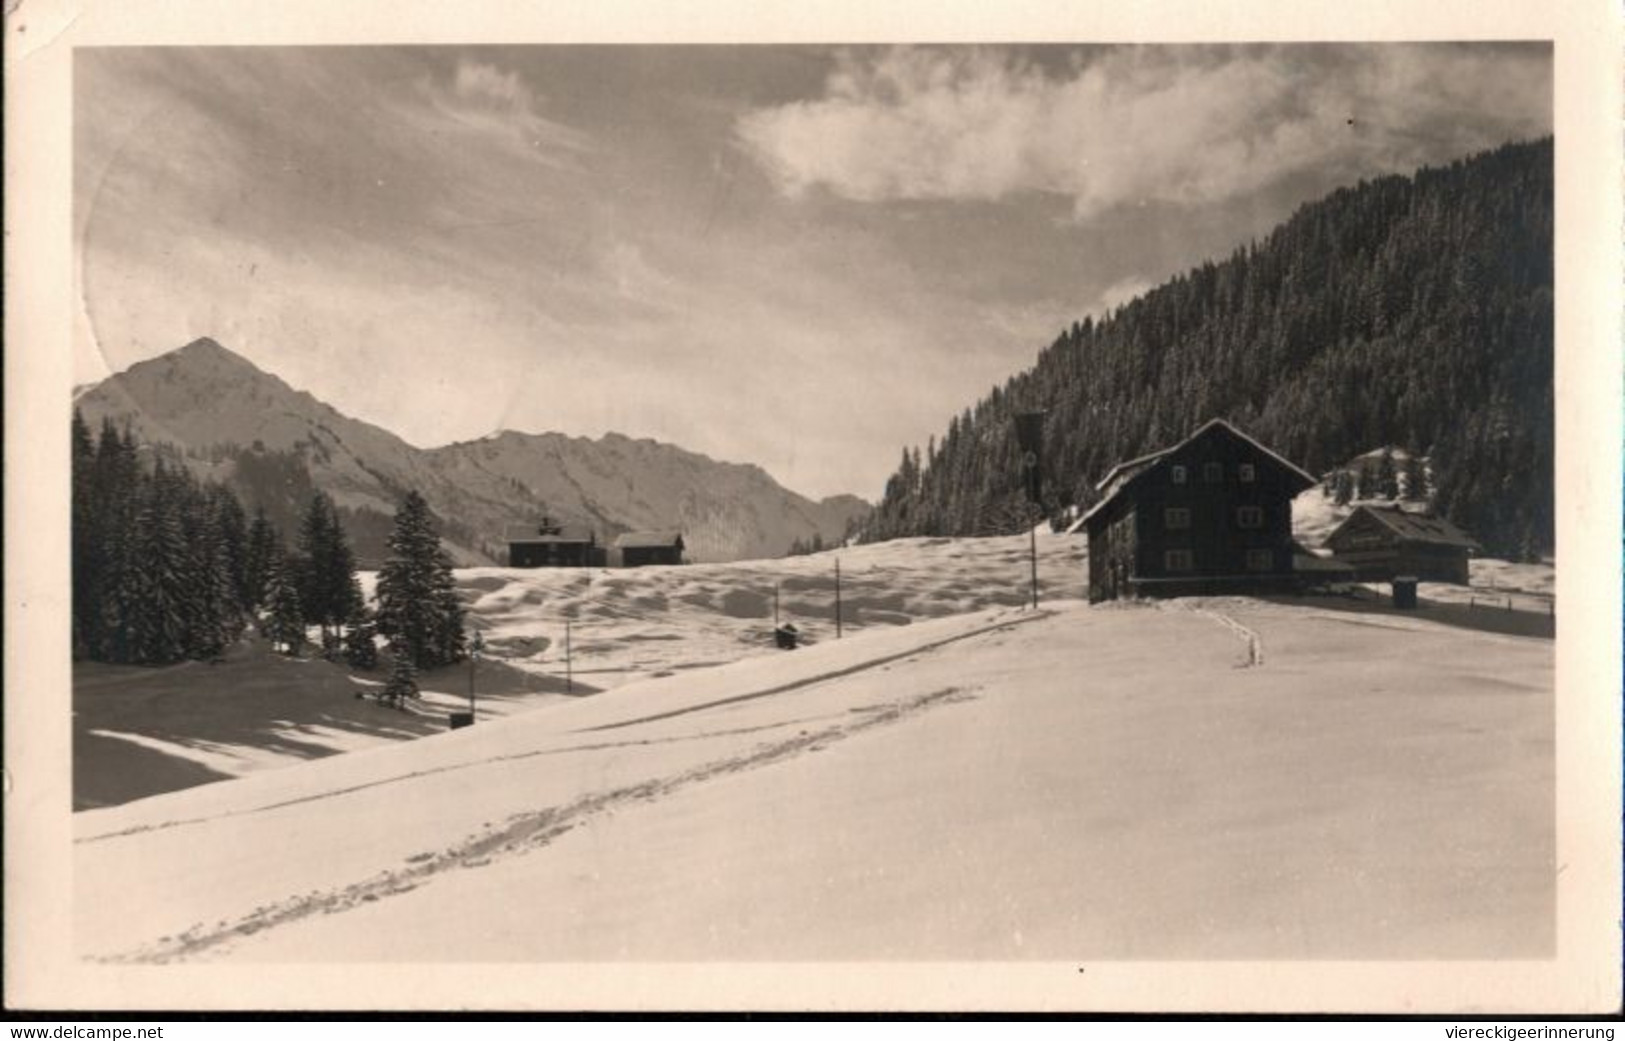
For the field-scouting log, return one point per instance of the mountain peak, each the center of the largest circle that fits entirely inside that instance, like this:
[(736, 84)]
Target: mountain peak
[(206, 350)]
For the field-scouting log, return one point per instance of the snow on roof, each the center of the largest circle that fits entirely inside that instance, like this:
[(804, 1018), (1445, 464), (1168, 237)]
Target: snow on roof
[(1136, 464), (648, 540), (1417, 527), (1306, 559), (533, 533), (1124, 472)]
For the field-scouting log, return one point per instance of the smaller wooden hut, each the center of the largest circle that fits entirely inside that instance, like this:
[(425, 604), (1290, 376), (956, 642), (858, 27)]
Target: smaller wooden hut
[(640, 548), (1382, 542)]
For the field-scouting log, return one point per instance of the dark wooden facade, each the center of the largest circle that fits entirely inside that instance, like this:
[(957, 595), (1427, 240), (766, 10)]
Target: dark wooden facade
[(552, 545), (1384, 542), (1212, 514), (642, 548)]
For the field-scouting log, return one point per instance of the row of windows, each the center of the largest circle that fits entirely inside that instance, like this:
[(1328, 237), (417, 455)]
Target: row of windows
[(1178, 518), (1185, 560), (1213, 473)]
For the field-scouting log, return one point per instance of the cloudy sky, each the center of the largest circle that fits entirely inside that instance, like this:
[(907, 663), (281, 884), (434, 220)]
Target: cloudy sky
[(794, 256)]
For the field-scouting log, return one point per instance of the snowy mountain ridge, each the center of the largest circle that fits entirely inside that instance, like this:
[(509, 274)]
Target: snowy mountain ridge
[(227, 417)]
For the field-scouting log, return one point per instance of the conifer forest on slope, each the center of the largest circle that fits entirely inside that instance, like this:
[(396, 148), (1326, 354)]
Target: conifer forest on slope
[(1409, 311)]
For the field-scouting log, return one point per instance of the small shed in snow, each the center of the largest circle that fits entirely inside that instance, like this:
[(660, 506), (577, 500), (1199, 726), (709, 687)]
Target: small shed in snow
[(550, 544), (1381, 542), (638, 548)]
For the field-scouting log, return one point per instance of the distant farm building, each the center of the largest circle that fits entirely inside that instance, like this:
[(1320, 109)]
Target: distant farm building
[(1212, 514), (638, 548), (1382, 542), (550, 544)]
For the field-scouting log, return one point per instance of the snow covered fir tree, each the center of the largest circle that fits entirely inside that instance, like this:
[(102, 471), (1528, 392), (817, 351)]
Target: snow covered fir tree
[(418, 609)]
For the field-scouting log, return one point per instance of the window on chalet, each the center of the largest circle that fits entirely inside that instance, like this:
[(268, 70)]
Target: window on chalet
[(1246, 473), (1260, 560), (1212, 473), (1249, 516), (1176, 474), (1176, 518), (1177, 560)]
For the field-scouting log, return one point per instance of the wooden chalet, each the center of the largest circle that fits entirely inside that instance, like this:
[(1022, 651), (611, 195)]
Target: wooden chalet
[(550, 544), (639, 548), (1383, 542), (1212, 514)]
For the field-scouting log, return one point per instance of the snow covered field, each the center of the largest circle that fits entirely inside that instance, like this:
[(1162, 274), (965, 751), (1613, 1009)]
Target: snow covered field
[(1077, 783), (140, 731)]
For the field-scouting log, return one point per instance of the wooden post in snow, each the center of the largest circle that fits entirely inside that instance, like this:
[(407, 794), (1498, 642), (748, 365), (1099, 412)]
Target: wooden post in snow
[(1033, 556), (837, 598), (569, 676), (1030, 442)]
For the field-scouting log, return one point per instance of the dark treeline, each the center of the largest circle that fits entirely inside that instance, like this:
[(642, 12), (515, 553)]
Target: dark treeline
[(167, 567), (800, 547), (1410, 311), (159, 559)]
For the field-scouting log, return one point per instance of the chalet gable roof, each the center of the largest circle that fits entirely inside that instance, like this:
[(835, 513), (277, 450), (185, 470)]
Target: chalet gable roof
[(1121, 475), (1411, 527), (532, 533), (1144, 462), (649, 540)]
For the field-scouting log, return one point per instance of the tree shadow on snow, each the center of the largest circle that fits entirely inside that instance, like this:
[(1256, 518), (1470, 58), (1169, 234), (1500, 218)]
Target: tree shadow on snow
[(255, 704)]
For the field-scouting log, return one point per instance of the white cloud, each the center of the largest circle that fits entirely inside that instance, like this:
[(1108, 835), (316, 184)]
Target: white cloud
[(1180, 125), (488, 84), (486, 98)]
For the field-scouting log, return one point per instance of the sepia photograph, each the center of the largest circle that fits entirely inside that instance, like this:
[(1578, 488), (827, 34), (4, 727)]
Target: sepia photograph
[(604, 504)]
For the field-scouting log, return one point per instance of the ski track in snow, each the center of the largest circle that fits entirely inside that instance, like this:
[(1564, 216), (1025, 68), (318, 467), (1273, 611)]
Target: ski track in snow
[(525, 832), (807, 681), (1254, 642)]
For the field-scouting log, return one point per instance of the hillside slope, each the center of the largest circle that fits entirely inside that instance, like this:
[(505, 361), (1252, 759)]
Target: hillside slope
[(1414, 311), (727, 511)]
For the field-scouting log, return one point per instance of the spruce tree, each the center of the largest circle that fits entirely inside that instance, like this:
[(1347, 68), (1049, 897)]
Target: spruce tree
[(88, 565), (232, 526), (263, 545), (1387, 475), (1416, 485), (118, 495), (284, 625), (328, 572), (418, 608), (1368, 485), (1343, 488), (216, 620), (403, 682), (162, 595), (360, 649)]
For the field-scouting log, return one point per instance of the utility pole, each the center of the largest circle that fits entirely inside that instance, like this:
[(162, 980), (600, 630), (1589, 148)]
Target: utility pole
[(1033, 557), (837, 598), (473, 657), (775, 605), (569, 674), (1030, 440)]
